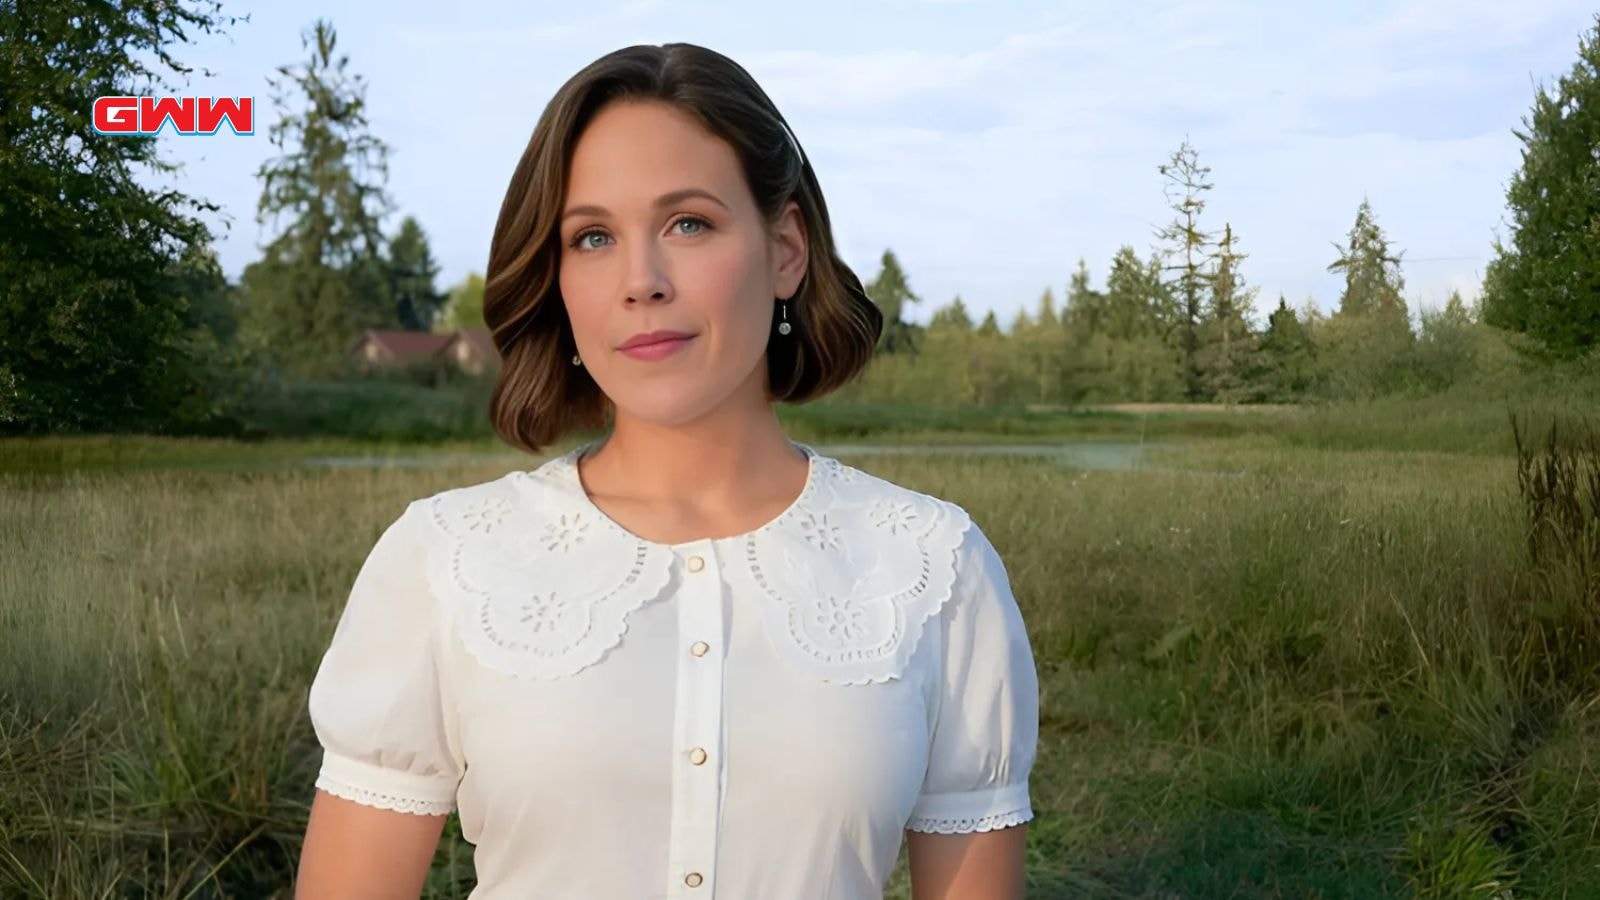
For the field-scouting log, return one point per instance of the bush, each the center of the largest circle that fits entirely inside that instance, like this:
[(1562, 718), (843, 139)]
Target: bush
[(378, 409)]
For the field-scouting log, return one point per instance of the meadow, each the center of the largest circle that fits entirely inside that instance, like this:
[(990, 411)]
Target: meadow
[(1338, 652)]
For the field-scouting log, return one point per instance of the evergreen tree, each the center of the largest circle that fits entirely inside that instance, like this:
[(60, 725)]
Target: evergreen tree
[(1085, 307), (412, 271), (1365, 350), (1447, 348), (1285, 361), (953, 317), (322, 279), (1227, 346), (990, 326), (891, 291), (1021, 323), (1047, 317), (1188, 244), (1373, 285), (1546, 281), (95, 265), (950, 374), (1136, 302), (1039, 343)]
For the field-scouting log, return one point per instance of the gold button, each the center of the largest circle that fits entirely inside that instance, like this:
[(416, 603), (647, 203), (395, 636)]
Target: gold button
[(693, 879), (699, 648), (697, 756), (696, 564)]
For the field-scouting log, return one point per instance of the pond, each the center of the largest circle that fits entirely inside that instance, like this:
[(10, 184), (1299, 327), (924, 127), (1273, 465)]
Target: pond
[(1075, 454)]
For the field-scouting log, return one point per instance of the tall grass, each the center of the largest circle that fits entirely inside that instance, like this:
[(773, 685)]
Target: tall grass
[(1271, 666)]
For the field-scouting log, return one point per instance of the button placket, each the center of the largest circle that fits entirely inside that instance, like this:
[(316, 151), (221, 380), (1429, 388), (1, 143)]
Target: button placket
[(697, 727)]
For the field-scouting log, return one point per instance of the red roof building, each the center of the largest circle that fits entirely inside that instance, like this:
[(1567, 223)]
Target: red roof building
[(471, 350)]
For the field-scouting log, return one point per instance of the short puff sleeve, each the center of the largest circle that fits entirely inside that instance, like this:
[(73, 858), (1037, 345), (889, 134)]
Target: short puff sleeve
[(378, 702), (986, 727)]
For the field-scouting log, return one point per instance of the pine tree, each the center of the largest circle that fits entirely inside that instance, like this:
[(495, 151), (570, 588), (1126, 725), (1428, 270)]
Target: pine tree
[(950, 375), (1227, 346), (1286, 349), (1047, 316), (1188, 245), (1085, 307), (1366, 348), (1373, 284), (1135, 299), (891, 291), (412, 271), (1546, 281), (1447, 348), (322, 278), (953, 317), (990, 326), (1021, 324)]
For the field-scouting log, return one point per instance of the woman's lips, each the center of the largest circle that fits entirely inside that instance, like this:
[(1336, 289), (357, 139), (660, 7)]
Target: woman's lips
[(658, 349)]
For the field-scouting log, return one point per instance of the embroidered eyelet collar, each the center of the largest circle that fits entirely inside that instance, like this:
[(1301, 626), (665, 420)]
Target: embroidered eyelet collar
[(540, 582)]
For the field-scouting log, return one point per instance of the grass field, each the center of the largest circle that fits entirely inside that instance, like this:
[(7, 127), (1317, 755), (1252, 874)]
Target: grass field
[(1297, 654)]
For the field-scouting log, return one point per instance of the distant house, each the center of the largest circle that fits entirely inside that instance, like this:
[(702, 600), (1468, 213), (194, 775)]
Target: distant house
[(471, 350)]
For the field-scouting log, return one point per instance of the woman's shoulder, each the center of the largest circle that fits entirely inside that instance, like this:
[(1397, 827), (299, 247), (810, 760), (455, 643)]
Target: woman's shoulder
[(490, 507), (891, 507), (890, 512)]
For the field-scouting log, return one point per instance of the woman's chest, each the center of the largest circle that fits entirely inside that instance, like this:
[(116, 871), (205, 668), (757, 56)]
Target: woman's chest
[(694, 690)]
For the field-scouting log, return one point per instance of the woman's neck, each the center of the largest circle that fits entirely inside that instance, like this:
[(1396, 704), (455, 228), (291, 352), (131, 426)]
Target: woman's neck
[(711, 478)]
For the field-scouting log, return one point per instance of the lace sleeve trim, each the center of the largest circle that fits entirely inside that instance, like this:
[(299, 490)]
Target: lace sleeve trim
[(970, 825), (381, 800)]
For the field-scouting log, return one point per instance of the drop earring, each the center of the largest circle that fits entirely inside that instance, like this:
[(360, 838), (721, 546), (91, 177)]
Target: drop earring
[(784, 327)]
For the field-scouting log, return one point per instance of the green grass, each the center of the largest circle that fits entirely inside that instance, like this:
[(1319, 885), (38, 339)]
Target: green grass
[(1282, 660)]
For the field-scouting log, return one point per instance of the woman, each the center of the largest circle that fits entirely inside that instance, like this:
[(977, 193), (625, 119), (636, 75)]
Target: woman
[(695, 659)]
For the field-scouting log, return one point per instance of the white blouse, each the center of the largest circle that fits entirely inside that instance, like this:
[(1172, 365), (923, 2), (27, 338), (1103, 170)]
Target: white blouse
[(757, 716)]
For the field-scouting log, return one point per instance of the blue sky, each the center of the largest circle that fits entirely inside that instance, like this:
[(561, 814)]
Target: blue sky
[(990, 144)]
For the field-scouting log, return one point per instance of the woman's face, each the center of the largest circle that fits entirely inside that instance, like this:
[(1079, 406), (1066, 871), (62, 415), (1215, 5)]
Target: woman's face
[(660, 233)]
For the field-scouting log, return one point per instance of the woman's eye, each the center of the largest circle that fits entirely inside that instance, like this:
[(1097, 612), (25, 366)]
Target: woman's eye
[(583, 242), (699, 225), (688, 226)]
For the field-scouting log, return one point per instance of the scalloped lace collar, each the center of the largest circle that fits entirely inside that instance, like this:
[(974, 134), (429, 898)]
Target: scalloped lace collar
[(541, 583)]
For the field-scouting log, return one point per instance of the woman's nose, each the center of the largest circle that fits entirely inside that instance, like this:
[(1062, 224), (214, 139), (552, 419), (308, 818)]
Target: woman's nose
[(647, 277)]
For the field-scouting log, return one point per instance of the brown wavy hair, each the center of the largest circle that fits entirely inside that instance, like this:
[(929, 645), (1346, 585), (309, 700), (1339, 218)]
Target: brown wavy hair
[(540, 396)]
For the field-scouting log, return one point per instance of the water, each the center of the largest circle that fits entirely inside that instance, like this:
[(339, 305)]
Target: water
[(1100, 455)]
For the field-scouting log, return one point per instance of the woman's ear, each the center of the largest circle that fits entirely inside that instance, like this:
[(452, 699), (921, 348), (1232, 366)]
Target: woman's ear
[(790, 251)]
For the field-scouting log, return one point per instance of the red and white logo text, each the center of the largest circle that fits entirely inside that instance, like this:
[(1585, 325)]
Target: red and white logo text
[(186, 115)]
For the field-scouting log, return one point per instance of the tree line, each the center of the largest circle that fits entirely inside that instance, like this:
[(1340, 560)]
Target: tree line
[(116, 316), (1179, 326)]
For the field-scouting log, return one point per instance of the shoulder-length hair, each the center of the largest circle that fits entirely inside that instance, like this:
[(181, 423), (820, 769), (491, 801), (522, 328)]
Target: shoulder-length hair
[(540, 396)]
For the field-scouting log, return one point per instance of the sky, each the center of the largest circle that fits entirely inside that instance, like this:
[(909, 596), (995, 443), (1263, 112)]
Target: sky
[(991, 144)]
